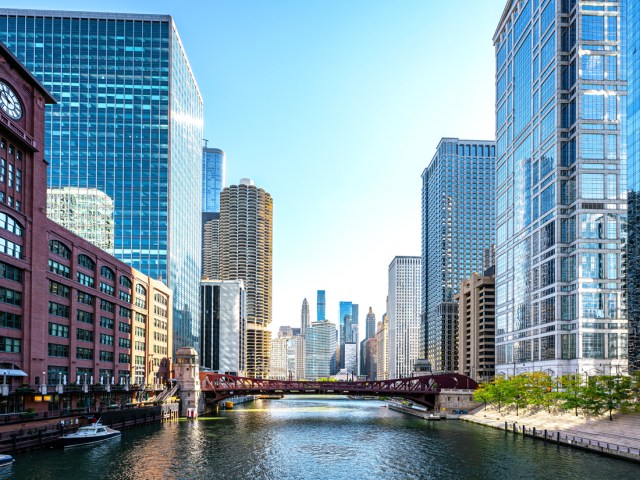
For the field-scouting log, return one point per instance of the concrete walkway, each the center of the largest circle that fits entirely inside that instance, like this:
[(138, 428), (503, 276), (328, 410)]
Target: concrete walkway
[(622, 435)]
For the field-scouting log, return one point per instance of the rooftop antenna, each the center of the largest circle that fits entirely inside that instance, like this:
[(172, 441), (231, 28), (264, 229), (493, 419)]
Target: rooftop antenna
[(206, 142)]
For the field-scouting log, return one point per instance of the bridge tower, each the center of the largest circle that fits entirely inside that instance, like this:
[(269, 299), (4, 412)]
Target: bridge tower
[(187, 374)]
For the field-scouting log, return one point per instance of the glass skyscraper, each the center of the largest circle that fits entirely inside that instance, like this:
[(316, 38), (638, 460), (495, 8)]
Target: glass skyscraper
[(321, 305), (561, 208), (213, 178), (129, 123), (458, 192), (633, 244)]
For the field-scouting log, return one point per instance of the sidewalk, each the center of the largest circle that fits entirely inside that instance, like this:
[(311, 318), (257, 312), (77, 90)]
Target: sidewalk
[(608, 436), (34, 424)]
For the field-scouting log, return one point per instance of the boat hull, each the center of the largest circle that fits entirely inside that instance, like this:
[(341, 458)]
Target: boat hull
[(6, 460), (68, 442)]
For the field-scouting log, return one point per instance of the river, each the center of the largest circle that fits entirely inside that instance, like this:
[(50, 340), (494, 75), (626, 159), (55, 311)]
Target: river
[(317, 438)]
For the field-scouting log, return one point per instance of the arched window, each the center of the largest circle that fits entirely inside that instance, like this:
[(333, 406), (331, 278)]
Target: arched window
[(125, 282), (59, 249), (106, 272), (141, 290), (86, 262), (11, 224)]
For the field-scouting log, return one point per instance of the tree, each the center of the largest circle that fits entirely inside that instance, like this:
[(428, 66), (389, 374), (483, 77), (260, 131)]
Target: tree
[(572, 394)]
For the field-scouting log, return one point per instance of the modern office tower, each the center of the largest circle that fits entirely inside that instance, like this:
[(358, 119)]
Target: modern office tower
[(355, 322), (210, 245), (305, 317), (489, 257), (69, 311), (351, 358), (321, 303), (382, 354), (458, 192), (129, 123), (320, 355), (633, 168), (87, 212), (476, 326), (213, 178), (223, 326), (368, 363), (370, 331), (287, 358), (246, 219), (561, 187), (404, 305)]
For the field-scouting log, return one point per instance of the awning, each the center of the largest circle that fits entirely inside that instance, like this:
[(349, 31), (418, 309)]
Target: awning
[(12, 372)]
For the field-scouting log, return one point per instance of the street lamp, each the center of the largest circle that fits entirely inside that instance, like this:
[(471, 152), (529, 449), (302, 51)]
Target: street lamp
[(43, 384), (5, 387)]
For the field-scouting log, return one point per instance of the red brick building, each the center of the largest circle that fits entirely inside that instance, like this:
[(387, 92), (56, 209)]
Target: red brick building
[(73, 319)]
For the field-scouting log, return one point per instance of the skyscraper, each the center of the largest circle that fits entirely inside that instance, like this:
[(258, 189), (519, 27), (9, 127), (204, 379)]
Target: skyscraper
[(633, 244), (404, 306), (370, 331), (128, 123), (213, 178), (457, 225), (321, 305), (346, 331), (246, 238), (321, 344), (561, 187), (87, 212), (382, 349), (304, 317), (210, 245), (223, 326)]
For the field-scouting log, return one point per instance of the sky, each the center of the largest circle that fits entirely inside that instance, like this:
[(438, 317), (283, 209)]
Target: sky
[(334, 107)]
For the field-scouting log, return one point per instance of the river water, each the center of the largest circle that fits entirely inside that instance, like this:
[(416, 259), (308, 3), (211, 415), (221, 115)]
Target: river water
[(317, 438)]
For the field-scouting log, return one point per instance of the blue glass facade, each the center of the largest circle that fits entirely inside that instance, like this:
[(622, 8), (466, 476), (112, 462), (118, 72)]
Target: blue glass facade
[(633, 244), (321, 303), (458, 193), (128, 122), (213, 178), (561, 186)]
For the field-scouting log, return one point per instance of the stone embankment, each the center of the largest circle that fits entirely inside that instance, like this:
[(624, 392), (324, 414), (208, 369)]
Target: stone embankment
[(619, 437)]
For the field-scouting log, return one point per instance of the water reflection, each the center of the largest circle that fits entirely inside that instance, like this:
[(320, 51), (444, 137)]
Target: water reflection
[(316, 438)]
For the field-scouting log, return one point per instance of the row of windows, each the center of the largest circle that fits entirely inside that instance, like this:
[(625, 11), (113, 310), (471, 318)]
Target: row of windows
[(10, 272), (10, 224), (10, 179), (11, 150), (10, 320), (10, 248), (10, 345), (12, 297)]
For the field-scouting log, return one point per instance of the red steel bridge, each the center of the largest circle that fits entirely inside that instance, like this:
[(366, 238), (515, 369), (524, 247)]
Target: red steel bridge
[(422, 390)]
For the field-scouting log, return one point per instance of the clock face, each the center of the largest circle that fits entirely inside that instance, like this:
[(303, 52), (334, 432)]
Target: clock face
[(9, 101)]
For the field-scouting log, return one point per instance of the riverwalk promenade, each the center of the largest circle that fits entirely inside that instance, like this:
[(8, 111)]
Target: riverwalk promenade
[(619, 437)]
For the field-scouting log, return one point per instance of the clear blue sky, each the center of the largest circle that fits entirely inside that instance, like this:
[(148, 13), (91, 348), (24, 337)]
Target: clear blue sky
[(335, 107)]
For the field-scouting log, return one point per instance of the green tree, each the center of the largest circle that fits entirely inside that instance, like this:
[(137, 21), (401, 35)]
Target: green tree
[(572, 392)]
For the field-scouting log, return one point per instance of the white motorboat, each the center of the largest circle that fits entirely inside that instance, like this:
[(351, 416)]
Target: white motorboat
[(90, 434), (6, 460)]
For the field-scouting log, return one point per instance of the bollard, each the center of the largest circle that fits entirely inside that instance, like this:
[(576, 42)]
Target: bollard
[(558, 437), (545, 434), (534, 432), (506, 425), (523, 430)]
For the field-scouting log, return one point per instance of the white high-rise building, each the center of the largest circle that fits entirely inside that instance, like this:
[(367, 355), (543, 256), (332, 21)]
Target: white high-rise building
[(320, 355), (287, 358), (223, 326), (404, 305), (87, 212), (305, 317), (382, 351)]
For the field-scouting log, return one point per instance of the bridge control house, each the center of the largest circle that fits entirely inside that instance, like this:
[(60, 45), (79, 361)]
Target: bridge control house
[(79, 329)]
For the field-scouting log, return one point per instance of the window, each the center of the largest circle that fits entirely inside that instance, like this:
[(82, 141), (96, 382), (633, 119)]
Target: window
[(85, 298), (56, 350), (124, 296), (593, 67), (84, 353), (593, 186), (140, 332), (124, 358), (125, 327), (10, 224), (106, 356), (124, 342), (85, 280), (84, 335), (593, 28), (12, 297), (125, 312), (58, 289), (141, 303), (58, 310), (10, 248), (59, 249), (593, 345), (59, 269), (106, 272), (107, 306), (106, 339), (84, 317), (10, 345), (57, 330), (10, 272), (141, 290), (86, 262), (106, 322), (18, 180), (140, 346), (10, 320), (125, 282), (3, 170), (141, 318), (55, 374), (108, 289)]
